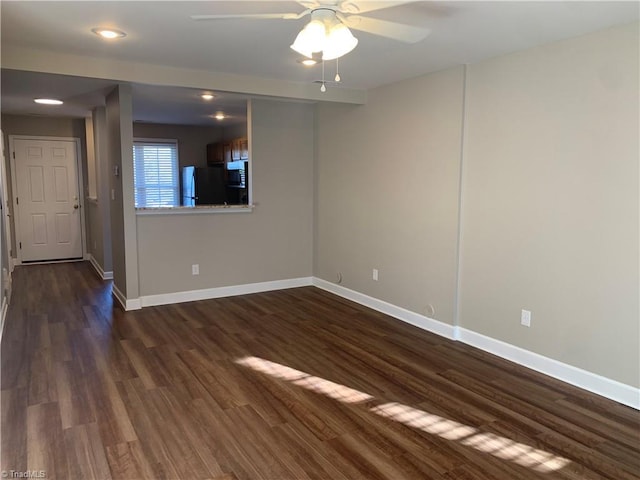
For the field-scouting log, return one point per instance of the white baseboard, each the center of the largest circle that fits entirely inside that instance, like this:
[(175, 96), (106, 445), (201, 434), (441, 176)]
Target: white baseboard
[(7, 280), (127, 304), (591, 382), (98, 268), (420, 321), (6, 295), (3, 315), (578, 377), (219, 292)]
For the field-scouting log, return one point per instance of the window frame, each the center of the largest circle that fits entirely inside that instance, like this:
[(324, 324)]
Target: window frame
[(176, 169)]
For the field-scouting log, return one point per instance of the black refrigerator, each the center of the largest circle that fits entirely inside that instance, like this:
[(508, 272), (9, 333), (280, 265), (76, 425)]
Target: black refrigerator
[(203, 186)]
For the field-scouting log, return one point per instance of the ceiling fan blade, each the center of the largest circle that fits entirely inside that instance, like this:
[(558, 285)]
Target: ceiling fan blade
[(284, 16), (396, 31), (364, 7), (309, 4)]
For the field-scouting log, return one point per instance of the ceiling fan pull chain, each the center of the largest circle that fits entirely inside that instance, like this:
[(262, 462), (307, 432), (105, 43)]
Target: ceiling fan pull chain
[(323, 87), (337, 79)]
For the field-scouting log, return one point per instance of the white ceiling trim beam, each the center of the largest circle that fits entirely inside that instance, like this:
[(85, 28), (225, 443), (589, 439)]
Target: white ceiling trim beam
[(32, 60)]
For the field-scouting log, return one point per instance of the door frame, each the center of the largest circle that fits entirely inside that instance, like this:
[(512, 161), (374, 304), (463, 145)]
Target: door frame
[(4, 179), (14, 186), (5, 240)]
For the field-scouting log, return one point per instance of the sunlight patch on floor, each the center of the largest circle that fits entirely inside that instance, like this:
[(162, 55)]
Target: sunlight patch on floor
[(490, 443), (315, 384), (496, 445)]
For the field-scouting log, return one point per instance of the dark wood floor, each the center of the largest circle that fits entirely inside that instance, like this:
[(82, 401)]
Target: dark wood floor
[(294, 384)]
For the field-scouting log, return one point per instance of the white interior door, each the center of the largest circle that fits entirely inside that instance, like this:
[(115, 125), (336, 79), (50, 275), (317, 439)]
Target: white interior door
[(47, 200)]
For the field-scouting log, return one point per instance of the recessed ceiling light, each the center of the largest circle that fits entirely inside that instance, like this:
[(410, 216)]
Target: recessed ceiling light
[(48, 101), (308, 62), (207, 96), (108, 33), (220, 116)]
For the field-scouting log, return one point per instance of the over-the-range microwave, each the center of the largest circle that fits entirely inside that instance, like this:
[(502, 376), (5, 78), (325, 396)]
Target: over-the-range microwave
[(235, 178)]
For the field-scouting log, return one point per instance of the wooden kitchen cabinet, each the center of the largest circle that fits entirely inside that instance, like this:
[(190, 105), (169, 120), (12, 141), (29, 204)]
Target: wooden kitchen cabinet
[(231, 151), (239, 149), (244, 148), (235, 149), (215, 153), (227, 150)]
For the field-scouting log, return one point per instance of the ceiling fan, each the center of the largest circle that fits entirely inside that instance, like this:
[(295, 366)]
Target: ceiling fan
[(347, 12), (328, 30)]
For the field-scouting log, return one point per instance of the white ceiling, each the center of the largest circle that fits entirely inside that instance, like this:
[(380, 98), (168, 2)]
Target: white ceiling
[(161, 32)]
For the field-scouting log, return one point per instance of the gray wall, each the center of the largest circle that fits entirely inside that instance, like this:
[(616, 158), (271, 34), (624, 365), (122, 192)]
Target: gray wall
[(93, 226), (45, 127), (124, 245), (387, 180), (103, 174), (99, 217), (273, 242), (234, 131), (549, 209), (192, 140), (94, 231)]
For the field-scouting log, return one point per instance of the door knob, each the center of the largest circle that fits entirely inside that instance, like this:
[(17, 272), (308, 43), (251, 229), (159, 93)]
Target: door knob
[(75, 206)]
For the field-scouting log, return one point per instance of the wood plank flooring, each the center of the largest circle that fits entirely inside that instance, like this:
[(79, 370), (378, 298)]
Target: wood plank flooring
[(293, 384)]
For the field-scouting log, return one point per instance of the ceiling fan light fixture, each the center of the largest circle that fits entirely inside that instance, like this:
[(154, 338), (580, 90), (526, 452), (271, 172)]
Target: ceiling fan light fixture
[(310, 39), (339, 42)]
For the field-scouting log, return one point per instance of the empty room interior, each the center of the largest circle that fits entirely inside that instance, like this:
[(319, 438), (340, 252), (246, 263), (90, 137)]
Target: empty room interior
[(322, 239)]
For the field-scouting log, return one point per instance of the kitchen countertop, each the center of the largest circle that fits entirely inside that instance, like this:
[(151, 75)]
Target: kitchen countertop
[(198, 209)]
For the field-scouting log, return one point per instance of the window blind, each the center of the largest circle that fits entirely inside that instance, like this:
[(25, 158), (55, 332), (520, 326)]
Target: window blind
[(155, 174)]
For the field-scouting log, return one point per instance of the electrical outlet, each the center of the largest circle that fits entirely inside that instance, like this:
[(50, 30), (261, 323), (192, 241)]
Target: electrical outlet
[(195, 269), (375, 274), (525, 318)]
